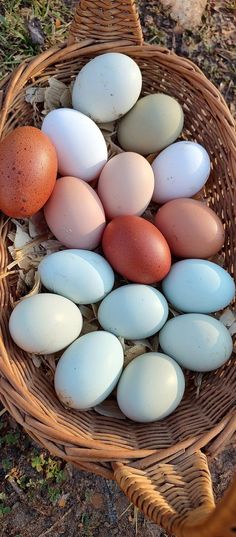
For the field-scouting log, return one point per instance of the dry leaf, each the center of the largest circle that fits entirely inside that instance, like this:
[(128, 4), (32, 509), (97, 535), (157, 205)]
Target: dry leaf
[(37, 225), (133, 352), (87, 312), (34, 95), (88, 327), (110, 409), (34, 291), (37, 360), (228, 317), (62, 500), (198, 383), (187, 13)]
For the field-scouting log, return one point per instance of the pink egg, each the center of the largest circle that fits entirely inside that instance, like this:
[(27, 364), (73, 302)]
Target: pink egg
[(126, 185), (74, 214)]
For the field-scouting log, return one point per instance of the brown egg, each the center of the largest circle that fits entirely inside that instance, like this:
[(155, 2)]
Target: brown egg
[(28, 171), (136, 249), (191, 229)]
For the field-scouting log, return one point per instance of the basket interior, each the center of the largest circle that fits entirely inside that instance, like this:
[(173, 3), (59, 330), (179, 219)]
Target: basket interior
[(198, 412)]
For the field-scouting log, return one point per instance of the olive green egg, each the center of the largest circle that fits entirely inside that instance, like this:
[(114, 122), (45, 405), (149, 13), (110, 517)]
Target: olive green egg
[(152, 124)]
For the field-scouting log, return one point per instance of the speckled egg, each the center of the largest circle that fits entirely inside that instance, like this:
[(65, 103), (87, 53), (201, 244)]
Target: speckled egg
[(28, 171)]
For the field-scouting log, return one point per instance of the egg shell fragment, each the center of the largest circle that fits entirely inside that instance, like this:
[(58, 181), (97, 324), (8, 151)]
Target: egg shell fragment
[(45, 323), (198, 286), (136, 249), (28, 171), (153, 123), (126, 185), (150, 388), (191, 229), (74, 214), (89, 370), (196, 341), (107, 87), (82, 276), (180, 171), (80, 144)]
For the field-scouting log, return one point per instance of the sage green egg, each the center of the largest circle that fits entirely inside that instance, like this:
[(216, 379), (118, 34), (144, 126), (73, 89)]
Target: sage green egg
[(152, 124)]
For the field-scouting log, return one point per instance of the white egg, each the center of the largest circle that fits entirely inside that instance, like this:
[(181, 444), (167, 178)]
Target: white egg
[(80, 275), (89, 370), (180, 171), (196, 341), (198, 286), (150, 388), (134, 311), (107, 87), (45, 323), (80, 145)]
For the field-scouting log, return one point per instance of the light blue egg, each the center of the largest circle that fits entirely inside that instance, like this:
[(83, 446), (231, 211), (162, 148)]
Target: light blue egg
[(198, 286), (80, 275), (134, 311), (196, 341)]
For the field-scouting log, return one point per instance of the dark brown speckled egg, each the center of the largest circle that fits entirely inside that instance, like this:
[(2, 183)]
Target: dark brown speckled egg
[(28, 171)]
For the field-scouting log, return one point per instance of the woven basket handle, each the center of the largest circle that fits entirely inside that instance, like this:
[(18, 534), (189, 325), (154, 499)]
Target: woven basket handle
[(178, 496), (106, 20)]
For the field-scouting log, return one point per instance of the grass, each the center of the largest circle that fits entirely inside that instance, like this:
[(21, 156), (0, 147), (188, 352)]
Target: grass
[(52, 20)]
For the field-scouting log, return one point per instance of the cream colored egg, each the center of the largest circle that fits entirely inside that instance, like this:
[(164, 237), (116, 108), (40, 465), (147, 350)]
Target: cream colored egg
[(126, 185), (45, 323)]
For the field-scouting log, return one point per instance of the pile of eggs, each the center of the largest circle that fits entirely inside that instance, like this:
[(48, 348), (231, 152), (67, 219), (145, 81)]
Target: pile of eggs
[(91, 202)]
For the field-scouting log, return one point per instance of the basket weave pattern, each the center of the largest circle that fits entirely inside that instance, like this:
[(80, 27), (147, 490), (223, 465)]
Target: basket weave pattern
[(159, 466)]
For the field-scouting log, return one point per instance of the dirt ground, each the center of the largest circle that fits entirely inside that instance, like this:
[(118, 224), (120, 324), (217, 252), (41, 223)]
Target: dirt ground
[(41, 495)]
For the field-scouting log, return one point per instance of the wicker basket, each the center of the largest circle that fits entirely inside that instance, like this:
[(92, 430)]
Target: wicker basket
[(159, 466)]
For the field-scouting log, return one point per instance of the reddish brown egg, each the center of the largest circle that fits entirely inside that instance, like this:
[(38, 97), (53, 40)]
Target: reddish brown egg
[(136, 249), (28, 171), (191, 229)]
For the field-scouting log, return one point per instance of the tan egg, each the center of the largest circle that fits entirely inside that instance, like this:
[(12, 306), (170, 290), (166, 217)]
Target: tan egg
[(126, 185), (74, 214), (191, 229)]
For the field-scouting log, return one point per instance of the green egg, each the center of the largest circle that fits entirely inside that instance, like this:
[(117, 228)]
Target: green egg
[(152, 124)]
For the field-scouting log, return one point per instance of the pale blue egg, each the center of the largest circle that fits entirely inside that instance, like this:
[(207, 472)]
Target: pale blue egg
[(80, 275), (198, 286), (196, 341), (134, 311)]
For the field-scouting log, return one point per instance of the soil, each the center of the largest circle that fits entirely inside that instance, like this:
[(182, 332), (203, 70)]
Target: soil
[(41, 495)]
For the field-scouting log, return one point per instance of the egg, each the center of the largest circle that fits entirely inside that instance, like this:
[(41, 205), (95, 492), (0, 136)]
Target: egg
[(126, 185), (136, 249), (89, 370), (191, 228), (153, 123), (133, 311), (45, 323), (82, 276), (28, 171), (150, 388), (74, 214), (196, 341), (80, 145), (107, 87), (198, 286), (180, 171)]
